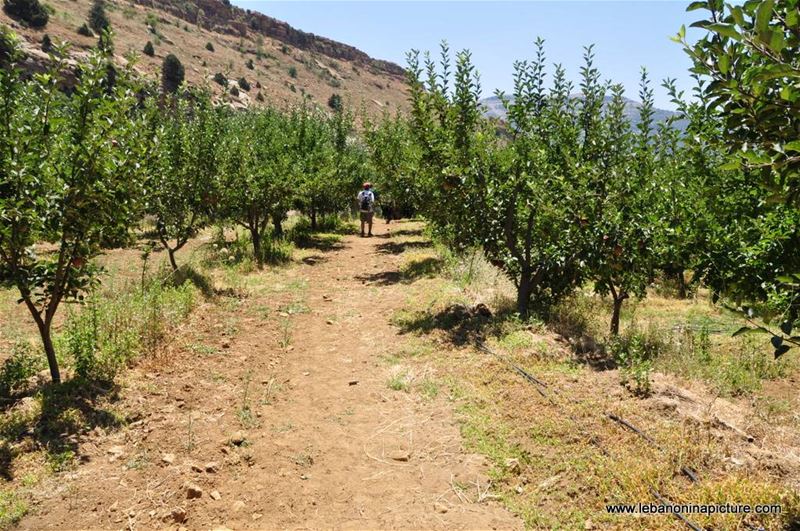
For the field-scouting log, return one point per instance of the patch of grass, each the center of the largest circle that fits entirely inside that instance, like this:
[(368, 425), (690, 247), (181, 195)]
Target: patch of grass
[(203, 350), (245, 414), (399, 381), (12, 508), (61, 461), (429, 388)]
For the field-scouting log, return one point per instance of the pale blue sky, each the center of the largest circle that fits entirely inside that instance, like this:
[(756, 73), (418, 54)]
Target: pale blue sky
[(626, 34)]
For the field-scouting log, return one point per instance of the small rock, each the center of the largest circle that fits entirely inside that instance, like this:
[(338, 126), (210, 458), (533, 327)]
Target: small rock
[(193, 491), (215, 495), (226, 344), (116, 452), (168, 459), (257, 516), (196, 468), (114, 507), (306, 373), (212, 467), (329, 321), (588, 524), (238, 505), (303, 477), (237, 439), (353, 382), (440, 508), (401, 455), (512, 464), (178, 514)]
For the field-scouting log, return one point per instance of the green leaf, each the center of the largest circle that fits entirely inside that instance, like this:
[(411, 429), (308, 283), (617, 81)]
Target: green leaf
[(764, 15), (748, 330), (694, 6), (780, 351), (723, 63), (725, 30), (792, 146)]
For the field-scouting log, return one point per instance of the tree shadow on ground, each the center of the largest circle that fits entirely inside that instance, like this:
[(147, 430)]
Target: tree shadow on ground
[(68, 411), (401, 247), (406, 232), (382, 278), (320, 242), (314, 259), (412, 271), (424, 267), (573, 326), (461, 323)]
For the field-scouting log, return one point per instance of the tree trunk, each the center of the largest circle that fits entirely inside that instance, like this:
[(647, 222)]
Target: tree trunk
[(277, 223), (681, 284), (524, 296), (172, 262), (313, 218), (49, 349), (618, 300), (255, 235)]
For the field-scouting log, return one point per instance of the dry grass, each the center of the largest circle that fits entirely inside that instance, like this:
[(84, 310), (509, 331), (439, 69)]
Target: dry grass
[(558, 461)]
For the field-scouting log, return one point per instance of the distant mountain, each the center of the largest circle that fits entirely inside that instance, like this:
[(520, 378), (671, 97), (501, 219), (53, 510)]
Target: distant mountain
[(494, 108)]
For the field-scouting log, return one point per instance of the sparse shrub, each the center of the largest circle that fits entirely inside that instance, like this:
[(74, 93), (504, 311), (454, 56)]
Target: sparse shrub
[(25, 361), (47, 44), (244, 84), (172, 73), (98, 20), (335, 102), (209, 46), (284, 49), (149, 49), (220, 79), (249, 64), (8, 45), (292, 72), (634, 352), (85, 30), (32, 12), (292, 88), (108, 333)]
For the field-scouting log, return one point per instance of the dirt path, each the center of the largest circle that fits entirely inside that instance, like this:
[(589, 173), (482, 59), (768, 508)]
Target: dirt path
[(288, 420)]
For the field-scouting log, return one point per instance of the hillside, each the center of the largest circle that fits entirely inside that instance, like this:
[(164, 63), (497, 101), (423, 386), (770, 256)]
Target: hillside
[(286, 62), (494, 108)]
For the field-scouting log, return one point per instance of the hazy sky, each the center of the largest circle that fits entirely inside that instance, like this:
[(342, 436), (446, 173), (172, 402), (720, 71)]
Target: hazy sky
[(626, 34)]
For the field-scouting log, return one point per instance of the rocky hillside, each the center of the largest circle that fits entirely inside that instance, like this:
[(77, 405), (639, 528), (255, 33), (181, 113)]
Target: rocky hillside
[(214, 40)]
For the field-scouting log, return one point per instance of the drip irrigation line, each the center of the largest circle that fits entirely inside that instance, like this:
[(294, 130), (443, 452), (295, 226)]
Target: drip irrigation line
[(666, 503), (541, 387), (685, 470)]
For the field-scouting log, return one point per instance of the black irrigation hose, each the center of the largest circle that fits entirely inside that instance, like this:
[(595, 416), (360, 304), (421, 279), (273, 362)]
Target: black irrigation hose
[(541, 386), (663, 501), (685, 470)]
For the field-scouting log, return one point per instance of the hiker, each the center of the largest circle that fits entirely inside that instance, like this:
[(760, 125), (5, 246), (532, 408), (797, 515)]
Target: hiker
[(366, 206)]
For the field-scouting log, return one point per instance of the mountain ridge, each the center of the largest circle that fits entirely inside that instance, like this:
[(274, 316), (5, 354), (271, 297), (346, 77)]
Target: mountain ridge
[(494, 108)]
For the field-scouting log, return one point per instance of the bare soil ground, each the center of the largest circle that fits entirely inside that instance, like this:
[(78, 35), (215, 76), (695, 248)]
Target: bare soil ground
[(276, 411)]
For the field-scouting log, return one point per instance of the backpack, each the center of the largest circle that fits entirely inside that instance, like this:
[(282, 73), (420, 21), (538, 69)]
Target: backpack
[(366, 201)]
